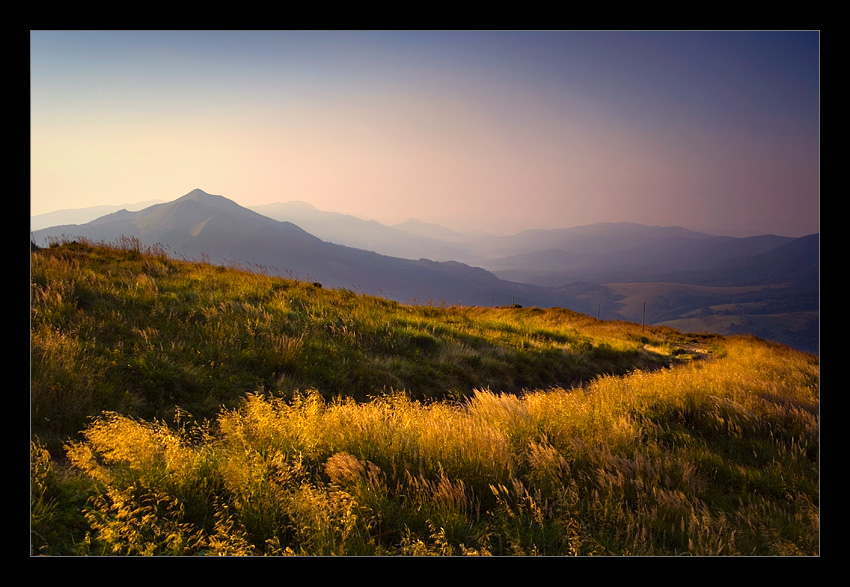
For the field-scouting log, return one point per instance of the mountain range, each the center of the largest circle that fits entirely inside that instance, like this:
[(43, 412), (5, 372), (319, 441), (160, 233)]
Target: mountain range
[(768, 283), (204, 226)]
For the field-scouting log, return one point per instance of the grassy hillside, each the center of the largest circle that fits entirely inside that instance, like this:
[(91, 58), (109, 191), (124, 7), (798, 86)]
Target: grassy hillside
[(193, 409), (116, 329)]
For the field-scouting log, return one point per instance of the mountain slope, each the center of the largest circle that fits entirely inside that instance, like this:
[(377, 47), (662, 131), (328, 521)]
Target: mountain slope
[(796, 262)]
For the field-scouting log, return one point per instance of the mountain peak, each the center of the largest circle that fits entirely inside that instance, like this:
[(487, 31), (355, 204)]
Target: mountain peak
[(196, 194), (301, 204), (429, 229), (199, 195)]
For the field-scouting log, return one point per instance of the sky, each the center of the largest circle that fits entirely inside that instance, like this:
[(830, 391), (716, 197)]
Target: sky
[(716, 131)]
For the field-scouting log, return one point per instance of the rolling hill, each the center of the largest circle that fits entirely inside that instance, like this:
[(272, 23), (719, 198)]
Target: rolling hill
[(775, 295)]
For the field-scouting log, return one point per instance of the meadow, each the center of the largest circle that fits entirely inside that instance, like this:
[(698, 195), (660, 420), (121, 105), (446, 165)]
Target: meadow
[(181, 408)]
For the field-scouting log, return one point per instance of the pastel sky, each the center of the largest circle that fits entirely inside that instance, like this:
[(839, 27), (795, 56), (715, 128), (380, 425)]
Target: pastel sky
[(497, 130)]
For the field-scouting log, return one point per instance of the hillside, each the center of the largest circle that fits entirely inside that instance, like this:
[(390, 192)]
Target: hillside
[(136, 321), (183, 408)]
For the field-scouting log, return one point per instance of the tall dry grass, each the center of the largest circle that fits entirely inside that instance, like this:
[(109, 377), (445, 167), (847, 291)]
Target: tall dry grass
[(716, 458)]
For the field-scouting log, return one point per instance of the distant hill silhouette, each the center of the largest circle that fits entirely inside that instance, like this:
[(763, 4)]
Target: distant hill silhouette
[(617, 252), (430, 230), (344, 229)]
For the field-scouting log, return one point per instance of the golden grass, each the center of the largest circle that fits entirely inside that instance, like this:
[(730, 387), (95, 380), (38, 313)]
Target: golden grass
[(650, 463)]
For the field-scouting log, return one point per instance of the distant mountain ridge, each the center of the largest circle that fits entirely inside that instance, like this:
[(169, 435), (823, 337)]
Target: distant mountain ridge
[(81, 215), (343, 229), (429, 229), (615, 252), (794, 261), (597, 253), (553, 257)]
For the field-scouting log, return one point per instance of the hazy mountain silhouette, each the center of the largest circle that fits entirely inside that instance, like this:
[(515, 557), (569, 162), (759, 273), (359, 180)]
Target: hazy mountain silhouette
[(202, 225), (81, 215), (603, 252), (430, 230), (795, 262), (615, 252), (344, 229)]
